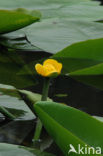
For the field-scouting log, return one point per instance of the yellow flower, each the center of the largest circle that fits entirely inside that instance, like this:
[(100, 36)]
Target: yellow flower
[(49, 68)]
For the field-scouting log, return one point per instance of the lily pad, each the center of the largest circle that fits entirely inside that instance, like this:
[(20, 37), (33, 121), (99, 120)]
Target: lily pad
[(16, 19), (11, 150), (63, 22)]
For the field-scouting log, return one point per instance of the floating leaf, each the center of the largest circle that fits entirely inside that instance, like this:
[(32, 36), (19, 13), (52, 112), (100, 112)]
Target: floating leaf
[(63, 22), (11, 150), (11, 20)]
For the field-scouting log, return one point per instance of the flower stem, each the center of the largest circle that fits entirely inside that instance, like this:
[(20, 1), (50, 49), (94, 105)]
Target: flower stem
[(6, 113), (44, 98), (45, 89)]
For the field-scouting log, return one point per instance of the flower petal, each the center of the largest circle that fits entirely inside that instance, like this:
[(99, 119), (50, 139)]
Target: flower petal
[(40, 69), (49, 69), (56, 64)]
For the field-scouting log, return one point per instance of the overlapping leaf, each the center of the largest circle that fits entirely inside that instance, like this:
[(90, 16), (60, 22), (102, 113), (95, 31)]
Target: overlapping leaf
[(84, 61), (63, 23), (11, 99), (14, 103), (11, 20)]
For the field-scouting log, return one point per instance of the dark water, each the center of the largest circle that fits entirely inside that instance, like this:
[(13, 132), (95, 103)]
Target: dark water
[(76, 94)]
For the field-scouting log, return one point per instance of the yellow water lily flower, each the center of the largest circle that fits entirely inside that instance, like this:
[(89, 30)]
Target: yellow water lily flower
[(49, 68)]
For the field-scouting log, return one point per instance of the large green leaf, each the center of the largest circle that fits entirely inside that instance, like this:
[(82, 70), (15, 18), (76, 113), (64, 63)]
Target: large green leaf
[(84, 61), (11, 150), (53, 35), (68, 125), (11, 20), (63, 22), (99, 118)]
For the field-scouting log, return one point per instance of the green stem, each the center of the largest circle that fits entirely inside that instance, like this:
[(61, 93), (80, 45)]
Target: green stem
[(45, 89), (6, 113), (37, 130), (44, 98)]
